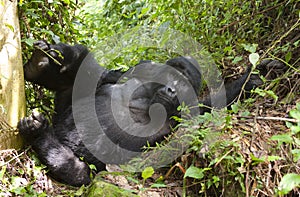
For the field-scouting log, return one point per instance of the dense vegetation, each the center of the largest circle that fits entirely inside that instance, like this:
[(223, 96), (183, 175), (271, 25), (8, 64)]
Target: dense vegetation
[(257, 145)]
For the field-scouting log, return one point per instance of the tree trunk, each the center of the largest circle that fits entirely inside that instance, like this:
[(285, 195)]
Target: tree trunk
[(12, 94)]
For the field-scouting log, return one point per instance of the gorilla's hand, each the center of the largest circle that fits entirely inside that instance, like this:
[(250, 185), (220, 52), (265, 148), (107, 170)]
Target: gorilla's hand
[(54, 66), (42, 58), (271, 69), (48, 51)]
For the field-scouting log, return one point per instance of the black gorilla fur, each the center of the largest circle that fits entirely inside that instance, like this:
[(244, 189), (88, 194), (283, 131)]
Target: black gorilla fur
[(59, 145)]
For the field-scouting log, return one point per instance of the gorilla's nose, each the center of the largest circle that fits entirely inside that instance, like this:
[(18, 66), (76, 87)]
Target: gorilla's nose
[(169, 91)]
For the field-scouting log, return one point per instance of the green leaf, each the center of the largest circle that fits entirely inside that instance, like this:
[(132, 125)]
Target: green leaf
[(297, 141), (254, 57), (272, 94), (158, 185), (194, 172), (237, 59), (288, 56), (295, 114), (296, 154), (143, 12), (235, 108), (260, 92), (250, 47), (80, 191), (288, 182), (19, 190), (66, 2), (216, 181), (147, 173), (256, 160), (295, 129), (283, 138), (274, 158), (92, 167)]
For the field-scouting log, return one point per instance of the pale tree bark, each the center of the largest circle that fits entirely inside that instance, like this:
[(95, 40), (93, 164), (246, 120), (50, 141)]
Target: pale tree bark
[(12, 95)]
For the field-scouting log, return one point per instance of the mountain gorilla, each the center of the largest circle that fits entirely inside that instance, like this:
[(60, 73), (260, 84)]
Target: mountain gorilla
[(147, 94)]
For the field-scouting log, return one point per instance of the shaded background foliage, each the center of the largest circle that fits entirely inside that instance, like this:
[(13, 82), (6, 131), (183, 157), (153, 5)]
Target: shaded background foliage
[(220, 26)]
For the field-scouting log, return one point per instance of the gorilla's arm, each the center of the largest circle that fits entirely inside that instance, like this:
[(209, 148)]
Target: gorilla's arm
[(55, 66), (241, 87)]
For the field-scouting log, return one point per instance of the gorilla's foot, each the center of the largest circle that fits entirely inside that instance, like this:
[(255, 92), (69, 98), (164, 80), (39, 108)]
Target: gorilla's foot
[(33, 125)]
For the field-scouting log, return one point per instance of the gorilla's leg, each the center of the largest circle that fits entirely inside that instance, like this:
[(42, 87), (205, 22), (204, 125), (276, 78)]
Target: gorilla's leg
[(63, 165)]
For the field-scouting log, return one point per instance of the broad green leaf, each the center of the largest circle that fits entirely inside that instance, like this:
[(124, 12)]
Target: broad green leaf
[(147, 173), (254, 57), (237, 59), (296, 154), (295, 114), (29, 41), (194, 172), (288, 56), (274, 158), (295, 129), (93, 167), (250, 47), (283, 138), (256, 160), (288, 182), (235, 108)]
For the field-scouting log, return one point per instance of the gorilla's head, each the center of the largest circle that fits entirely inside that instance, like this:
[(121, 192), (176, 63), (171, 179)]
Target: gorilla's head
[(167, 84)]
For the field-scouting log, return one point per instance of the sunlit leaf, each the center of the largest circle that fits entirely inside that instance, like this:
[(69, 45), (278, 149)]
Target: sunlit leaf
[(283, 138), (288, 56), (253, 57), (250, 47), (295, 114), (289, 182), (147, 173), (296, 154), (194, 172)]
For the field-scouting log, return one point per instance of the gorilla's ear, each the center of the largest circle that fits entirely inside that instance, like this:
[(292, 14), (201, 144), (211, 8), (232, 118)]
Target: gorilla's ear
[(190, 68)]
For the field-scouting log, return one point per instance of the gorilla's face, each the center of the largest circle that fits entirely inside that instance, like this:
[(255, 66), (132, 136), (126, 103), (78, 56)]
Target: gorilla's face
[(171, 88)]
